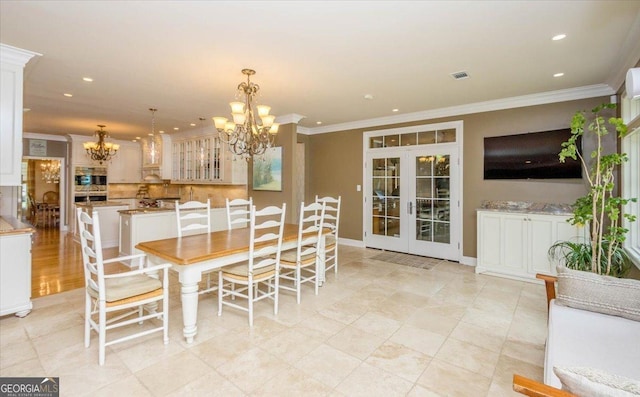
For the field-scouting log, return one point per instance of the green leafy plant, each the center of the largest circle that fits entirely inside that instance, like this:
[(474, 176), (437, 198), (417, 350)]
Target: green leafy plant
[(600, 209)]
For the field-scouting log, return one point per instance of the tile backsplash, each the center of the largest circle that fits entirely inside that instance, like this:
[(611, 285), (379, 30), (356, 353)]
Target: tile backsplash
[(217, 193)]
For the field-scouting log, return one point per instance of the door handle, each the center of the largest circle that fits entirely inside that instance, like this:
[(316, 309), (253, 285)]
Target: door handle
[(410, 207)]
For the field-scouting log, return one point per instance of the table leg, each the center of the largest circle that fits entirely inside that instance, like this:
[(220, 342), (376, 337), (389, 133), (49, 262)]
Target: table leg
[(189, 292)]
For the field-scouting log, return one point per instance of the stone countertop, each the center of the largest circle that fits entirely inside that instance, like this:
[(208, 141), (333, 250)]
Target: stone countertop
[(135, 211), (527, 207), (10, 226), (93, 204)]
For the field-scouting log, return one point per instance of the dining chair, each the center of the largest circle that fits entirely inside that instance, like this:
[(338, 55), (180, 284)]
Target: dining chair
[(130, 293), (238, 211), (266, 227), (50, 197), (51, 207), (194, 217), (37, 212), (300, 265), (332, 222)]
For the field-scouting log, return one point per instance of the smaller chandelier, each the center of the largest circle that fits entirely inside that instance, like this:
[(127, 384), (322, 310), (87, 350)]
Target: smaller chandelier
[(245, 137), (50, 171), (101, 151), (153, 144)]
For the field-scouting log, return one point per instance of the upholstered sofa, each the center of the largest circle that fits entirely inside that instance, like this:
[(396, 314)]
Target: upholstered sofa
[(593, 342)]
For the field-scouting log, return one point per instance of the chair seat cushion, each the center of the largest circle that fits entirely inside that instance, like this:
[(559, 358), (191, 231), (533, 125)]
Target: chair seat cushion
[(126, 287), (288, 258), (240, 271)]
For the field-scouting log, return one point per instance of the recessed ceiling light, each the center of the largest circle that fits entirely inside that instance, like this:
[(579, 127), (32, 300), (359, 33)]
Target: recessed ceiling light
[(368, 97), (176, 128), (193, 124), (26, 110), (558, 75), (162, 132), (150, 134), (138, 137), (133, 140), (394, 110), (87, 79), (318, 122), (558, 37), (68, 95)]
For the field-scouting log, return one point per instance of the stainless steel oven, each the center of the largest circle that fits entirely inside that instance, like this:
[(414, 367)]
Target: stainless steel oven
[(90, 182)]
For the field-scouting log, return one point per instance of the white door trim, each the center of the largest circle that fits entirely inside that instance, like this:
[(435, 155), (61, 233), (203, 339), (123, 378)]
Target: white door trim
[(367, 135)]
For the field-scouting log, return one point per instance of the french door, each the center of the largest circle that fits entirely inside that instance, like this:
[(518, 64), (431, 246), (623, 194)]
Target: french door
[(412, 200)]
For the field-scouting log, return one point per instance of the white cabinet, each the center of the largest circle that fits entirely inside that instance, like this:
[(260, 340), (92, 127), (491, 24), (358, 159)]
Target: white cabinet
[(139, 226), (515, 245), (11, 83), (15, 273), (79, 155), (126, 165), (202, 158)]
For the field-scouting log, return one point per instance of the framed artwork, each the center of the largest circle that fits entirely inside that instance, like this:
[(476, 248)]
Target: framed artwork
[(267, 170)]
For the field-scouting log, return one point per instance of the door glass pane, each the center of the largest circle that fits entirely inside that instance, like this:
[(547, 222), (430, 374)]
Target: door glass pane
[(446, 135), (432, 198), (375, 142), (385, 181), (426, 137), (408, 139), (391, 140)]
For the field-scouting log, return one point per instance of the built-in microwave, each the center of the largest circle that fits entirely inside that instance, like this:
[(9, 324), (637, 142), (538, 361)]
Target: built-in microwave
[(90, 179)]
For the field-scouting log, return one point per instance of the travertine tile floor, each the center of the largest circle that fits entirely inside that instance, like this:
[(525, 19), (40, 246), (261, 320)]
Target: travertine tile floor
[(377, 329)]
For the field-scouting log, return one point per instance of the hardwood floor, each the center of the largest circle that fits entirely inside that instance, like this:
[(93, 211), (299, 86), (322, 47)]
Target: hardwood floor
[(56, 262)]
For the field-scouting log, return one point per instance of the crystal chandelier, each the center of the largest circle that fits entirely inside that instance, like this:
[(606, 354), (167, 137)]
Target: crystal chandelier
[(153, 145), (101, 151), (50, 171), (245, 137)]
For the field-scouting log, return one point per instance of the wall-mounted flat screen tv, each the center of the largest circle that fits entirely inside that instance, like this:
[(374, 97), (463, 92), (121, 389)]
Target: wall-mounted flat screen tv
[(529, 156)]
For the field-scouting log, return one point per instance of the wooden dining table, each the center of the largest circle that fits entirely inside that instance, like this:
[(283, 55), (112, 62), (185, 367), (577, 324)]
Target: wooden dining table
[(191, 256)]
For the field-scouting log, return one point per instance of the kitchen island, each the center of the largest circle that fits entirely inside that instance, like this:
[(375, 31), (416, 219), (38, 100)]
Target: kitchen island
[(15, 267), (108, 212), (148, 224)]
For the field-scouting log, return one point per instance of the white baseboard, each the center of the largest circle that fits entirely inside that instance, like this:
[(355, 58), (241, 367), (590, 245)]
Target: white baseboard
[(468, 261), (351, 242)]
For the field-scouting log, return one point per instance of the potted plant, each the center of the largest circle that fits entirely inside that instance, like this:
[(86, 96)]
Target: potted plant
[(600, 208)]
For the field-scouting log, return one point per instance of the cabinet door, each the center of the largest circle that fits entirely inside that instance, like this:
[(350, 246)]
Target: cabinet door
[(542, 234), (125, 166), (79, 154), (514, 239), (489, 244)]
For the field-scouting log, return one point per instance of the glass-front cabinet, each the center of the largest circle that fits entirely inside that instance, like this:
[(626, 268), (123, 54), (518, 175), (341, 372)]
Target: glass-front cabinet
[(197, 160)]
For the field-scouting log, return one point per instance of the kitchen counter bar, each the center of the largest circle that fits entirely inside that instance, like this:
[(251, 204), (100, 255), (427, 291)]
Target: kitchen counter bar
[(92, 204), (526, 207), (13, 226)]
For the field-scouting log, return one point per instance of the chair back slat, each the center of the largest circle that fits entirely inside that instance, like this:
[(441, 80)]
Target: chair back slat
[(89, 231), (191, 220), (238, 212), (267, 235)]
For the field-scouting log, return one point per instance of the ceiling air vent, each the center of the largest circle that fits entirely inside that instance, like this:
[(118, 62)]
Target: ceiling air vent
[(460, 75)]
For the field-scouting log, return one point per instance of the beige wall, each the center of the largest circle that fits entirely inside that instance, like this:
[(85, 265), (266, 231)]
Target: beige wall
[(335, 164), (287, 140)]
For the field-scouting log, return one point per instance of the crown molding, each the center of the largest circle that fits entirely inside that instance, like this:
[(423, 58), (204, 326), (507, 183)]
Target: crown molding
[(303, 130), (543, 98), (47, 137), (292, 118), (16, 56)]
